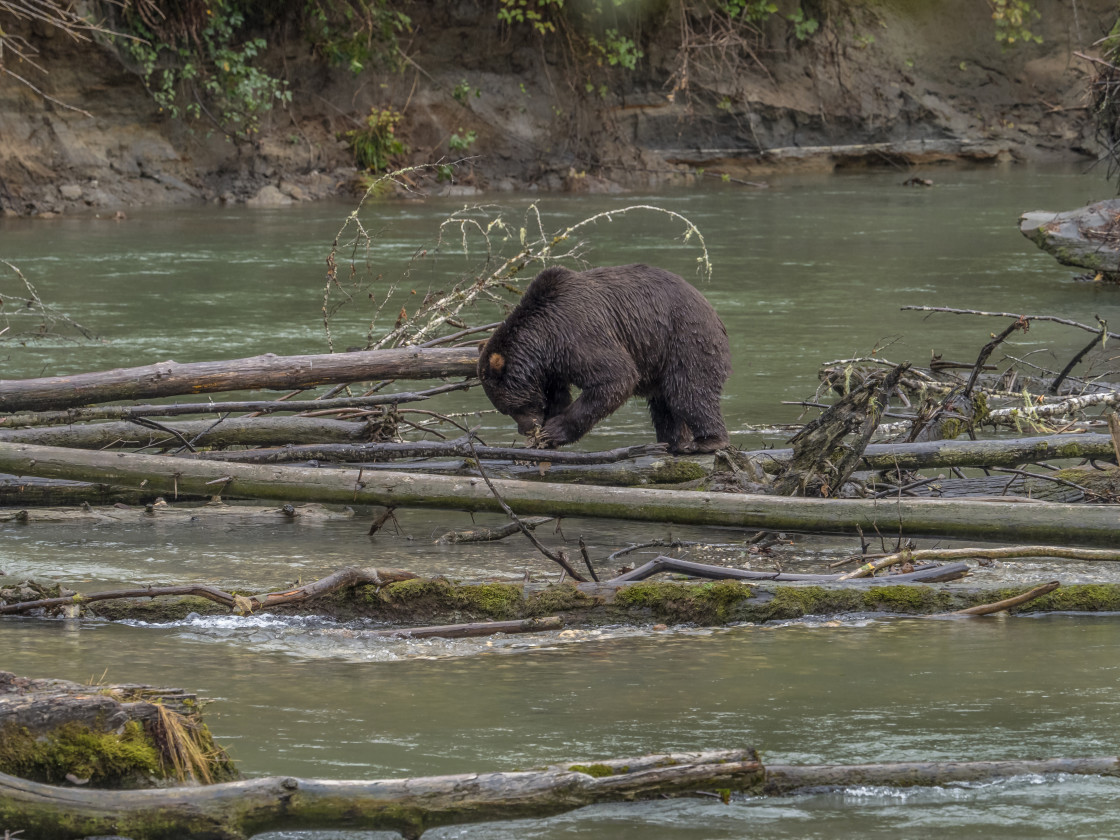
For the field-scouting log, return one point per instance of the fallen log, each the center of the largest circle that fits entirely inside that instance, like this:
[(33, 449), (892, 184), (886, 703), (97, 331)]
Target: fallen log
[(465, 631), (232, 431), (30, 491), (407, 601), (373, 452), (127, 412), (240, 604), (162, 512), (170, 378), (412, 806), (1010, 522)]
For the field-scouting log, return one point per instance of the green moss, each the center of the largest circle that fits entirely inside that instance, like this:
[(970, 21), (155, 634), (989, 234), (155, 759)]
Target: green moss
[(596, 770), (798, 601), (437, 595), (676, 471), (712, 602), (1087, 597), (561, 598), (107, 759), (156, 610), (917, 600)]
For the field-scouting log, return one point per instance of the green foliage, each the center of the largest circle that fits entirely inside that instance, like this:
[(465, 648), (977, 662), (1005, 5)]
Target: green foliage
[(616, 49), (374, 145), (534, 12), (462, 92), (462, 142), (753, 11), (206, 66), (1013, 20), (354, 33), (803, 27)]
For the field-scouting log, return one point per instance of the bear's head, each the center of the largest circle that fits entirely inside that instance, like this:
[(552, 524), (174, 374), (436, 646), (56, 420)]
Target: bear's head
[(508, 388)]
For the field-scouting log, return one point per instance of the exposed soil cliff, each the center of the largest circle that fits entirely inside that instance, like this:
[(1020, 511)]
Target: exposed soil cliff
[(890, 81)]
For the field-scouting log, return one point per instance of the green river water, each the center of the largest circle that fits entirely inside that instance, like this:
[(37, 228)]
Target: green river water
[(810, 270)]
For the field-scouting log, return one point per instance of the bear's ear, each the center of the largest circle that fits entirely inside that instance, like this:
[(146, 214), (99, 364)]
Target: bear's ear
[(482, 347), (497, 362)]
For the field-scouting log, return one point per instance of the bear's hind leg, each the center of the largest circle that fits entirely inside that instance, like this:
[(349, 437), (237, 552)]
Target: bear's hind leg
[(668, 428)]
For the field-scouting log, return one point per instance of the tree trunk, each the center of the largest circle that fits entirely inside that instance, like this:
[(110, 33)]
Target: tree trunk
[(410, 807), (1001, 521), (170, 378)]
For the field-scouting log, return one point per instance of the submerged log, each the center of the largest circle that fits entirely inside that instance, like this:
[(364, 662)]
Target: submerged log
[(171, 378), (1009, 522), (413, 806)]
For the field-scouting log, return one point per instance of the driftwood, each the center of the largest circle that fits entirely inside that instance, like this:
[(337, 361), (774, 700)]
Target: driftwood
[(374, 452), (129, 412), (241, 604), (827, 450), (1044, 523), (232, 431), (464, 631), (467, 535), (413, 806), (933, 574), (1008, 603), (170, 378), (1012, 552), (30, 491), (160, 511)]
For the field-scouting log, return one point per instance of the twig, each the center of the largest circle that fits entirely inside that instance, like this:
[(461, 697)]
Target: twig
[(1073, 362), (1052, 478), (1015, 315), (587, 559), (557, 558)]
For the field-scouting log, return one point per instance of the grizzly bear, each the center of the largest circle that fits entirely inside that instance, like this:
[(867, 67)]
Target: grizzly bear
[(613, 332)]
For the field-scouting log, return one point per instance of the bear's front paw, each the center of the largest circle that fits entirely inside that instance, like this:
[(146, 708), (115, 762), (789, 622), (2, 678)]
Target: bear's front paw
[(554, 433)]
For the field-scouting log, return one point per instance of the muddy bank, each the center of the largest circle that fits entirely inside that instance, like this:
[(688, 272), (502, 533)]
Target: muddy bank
[(894, 83)]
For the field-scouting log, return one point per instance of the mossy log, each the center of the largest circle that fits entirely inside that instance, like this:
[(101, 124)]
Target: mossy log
[(55, 731), (427, 601), (170, 378), (999, 521), (413, 806)]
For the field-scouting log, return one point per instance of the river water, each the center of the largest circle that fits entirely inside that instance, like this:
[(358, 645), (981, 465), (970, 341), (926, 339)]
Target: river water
[(810, 270)]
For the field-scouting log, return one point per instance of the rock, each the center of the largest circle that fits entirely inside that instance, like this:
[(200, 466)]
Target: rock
[(1088, 237), (71, 192), (269, 196)]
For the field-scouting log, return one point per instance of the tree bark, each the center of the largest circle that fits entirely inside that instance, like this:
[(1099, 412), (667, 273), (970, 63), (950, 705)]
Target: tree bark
[(1002, 521), (236, 810), (407, 806), (170, 378), (233, 431)]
